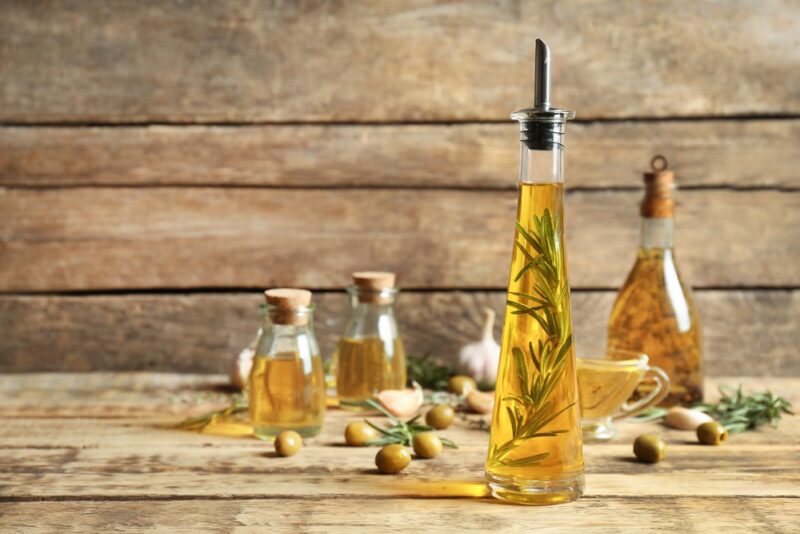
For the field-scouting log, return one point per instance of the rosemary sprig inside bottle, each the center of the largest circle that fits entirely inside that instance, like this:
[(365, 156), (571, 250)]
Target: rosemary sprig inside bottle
[(539, 367), (400, 432)]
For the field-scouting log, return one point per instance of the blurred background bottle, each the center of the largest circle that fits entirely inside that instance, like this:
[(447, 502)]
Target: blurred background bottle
[(371, 357), (654, 312), (286, 386)]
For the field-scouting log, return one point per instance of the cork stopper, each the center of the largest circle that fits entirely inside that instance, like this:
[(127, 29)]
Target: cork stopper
[(658, 202), (288, 306), (372, 286)]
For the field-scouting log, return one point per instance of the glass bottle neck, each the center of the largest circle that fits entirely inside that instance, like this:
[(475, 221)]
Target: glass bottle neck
[(283, 339), (372, 316), (280, 330), (657, 233), (541, 166)]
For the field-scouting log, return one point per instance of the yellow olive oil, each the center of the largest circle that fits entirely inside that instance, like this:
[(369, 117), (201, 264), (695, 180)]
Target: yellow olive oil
[(655, 314), (535, 445), (603, 388), (366, 366), (287, 393)]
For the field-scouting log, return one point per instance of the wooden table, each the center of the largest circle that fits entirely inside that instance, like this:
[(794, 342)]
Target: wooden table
[(91, 452)]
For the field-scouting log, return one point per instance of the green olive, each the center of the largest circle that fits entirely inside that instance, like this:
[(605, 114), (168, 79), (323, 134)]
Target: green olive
[(359, 433), (427, 445), (461, 384), (288, 443), (440, 416), (649, 448), (711, 433), (392, 459)]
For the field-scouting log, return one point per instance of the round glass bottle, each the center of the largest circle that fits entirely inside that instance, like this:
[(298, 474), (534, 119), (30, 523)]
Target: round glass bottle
[(287, 386), (370, 357)]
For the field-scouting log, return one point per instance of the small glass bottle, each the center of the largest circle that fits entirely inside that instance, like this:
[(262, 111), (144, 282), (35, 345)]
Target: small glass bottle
[(287, 386), (371, 357), (654, 312), (535, 448)]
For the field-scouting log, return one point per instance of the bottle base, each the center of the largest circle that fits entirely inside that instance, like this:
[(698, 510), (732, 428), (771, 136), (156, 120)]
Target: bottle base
[(536, 492), (598, 429)]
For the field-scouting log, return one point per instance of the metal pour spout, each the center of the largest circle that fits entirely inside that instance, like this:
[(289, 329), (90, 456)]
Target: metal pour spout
[(542, 126), (541, 93)]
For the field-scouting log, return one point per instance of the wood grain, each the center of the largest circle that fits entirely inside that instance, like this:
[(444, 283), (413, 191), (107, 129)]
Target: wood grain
[(248, 61), (248, 456), (140, 458), (133, 238), (319, 481), (202, 332), (73, 402), (741, 153), (364, 514), (134, 471)]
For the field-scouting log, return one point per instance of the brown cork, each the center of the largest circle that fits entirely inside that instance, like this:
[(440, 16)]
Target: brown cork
[(371, 284), (658, 202), (285, 305)]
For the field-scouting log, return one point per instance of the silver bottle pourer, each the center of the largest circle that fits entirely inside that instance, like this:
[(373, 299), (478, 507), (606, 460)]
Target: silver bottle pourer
[(542, 126), (541, 78)]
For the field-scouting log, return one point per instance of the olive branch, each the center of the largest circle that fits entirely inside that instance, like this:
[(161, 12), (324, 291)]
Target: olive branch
[(538, 367)]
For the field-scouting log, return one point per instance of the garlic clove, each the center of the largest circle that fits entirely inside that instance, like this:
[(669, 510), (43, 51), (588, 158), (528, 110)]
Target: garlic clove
[(401, 402), (240, 370), (243, 363), (481, 359), (685, 419), (480, 401)]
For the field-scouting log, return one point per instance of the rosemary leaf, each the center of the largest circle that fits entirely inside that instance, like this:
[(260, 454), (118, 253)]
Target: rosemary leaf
[(528, 461), (739, 412), (650, 414), (429, 372), (530, 239), (448, 443)]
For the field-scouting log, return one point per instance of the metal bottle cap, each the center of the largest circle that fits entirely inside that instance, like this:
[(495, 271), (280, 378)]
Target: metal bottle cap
[(542, 126)]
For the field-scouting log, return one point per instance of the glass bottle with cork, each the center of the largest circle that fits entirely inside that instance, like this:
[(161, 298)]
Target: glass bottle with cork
[(371, 357), (535, 451), (286, 385), (654, 312)]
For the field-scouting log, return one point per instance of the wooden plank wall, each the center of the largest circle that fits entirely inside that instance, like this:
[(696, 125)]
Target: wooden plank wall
[(160, 162)]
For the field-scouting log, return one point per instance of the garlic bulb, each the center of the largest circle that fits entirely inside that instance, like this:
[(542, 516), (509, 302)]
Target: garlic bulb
[(240, 368), (481, 358), (685, 419)]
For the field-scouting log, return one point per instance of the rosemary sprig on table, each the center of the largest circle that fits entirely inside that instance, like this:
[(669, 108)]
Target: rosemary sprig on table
[(539, 367), (738, 412), (238, 404), (650, 414), (428, 372), (401, 432)]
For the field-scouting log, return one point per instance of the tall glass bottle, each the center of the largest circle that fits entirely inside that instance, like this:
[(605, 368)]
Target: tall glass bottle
[(535, 452), (371, 357), (654, 312), (286, 386)]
